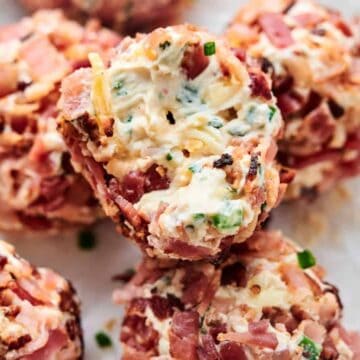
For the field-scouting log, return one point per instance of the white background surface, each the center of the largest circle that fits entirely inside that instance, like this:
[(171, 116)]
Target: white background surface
[(330, 226)]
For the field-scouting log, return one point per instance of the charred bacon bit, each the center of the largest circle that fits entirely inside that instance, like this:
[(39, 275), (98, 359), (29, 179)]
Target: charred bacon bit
[(313, 101), (194, 61), (19, 342), (279, 316), (170, 118), (234, 274), (251, 175), (89, 126), (156, 179), (138, 335), (108, 127), (133, 186), (231, 350), (282, 85), (225, 159), (216, 328), (337, 111), (184, 335), (266, 66), (276, 30), (161, 307), (67, 303), (3, 262), (289, 104), (259, 85), (73, 329)]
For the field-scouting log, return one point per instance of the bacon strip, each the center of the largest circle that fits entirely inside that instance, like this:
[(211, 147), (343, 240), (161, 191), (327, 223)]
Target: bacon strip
[(276, 29), (184, 336)]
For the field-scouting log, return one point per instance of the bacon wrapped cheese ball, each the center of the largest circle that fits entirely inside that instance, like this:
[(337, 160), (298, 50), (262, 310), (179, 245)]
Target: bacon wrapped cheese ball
[(267, 300), (124, 15), (313, 58), (177, 138), (38, 187), (39, 312)]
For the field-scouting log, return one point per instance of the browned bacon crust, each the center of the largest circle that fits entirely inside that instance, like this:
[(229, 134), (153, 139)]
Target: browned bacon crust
[(258, 303), (312, 56), (126, 16), (98, 146), (40, 315), (39, 189)]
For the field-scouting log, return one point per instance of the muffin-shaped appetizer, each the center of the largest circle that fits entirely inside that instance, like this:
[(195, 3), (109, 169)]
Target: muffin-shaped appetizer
[(177, 138), (39, 312), (38, 187), (312, 55), (266, 300), (124, 15)]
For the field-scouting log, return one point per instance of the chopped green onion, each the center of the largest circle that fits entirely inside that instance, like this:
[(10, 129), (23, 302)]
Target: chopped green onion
[(312, 350), (209, 48), (272, 112), (165, 45), (306, 259), (225, 222), (86, 240), (103, 340), (118, 87), (169, 157), (216, 123), (199, 217), (195, 168)]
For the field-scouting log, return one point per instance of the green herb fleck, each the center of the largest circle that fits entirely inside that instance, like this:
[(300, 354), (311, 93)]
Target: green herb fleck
[(312, 350), (272, 112), (228, 221), (129, 119), (251, 114), (118, 87), (103, 340), (263, 206), (232, 190), (216, 123), (86, 240), (169, 157), (165, 45), (209, 48), (187, 94), (199, 217), (236, 131), (195, 168), (306, 259)]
